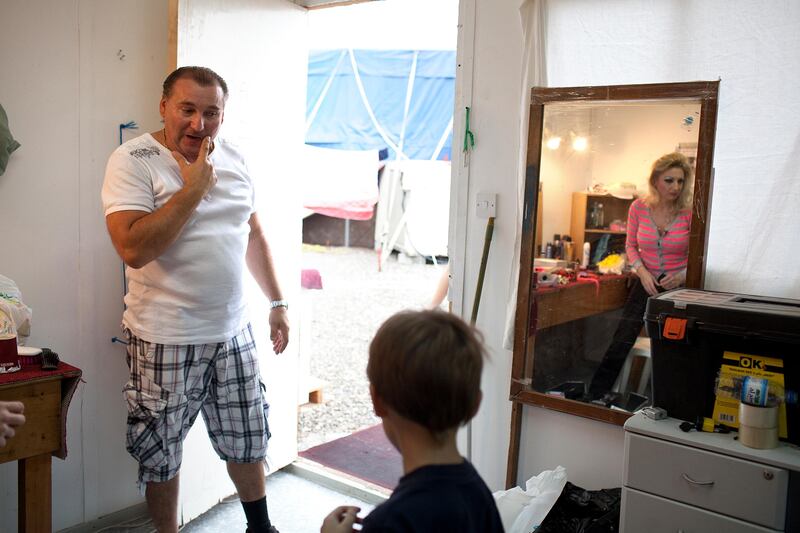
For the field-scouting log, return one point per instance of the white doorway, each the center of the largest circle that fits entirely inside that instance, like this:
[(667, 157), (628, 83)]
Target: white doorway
[(261, 48), (360, 287)]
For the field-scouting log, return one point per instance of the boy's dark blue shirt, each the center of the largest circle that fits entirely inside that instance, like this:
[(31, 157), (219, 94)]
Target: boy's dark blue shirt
[(437, 498)]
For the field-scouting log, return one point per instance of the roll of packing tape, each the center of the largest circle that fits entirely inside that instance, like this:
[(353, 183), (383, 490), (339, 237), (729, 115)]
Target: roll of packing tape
[(758, 426)]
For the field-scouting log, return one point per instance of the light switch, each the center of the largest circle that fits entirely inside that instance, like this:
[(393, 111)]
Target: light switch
[(485, 205)]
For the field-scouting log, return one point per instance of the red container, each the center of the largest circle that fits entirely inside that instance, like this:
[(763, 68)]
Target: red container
[(9, 358)]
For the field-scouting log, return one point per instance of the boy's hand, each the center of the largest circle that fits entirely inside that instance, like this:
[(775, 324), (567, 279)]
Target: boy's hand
[(341, 520)]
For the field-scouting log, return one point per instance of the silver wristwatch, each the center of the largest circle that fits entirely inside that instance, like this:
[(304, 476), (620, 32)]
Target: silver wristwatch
[(279, 303)]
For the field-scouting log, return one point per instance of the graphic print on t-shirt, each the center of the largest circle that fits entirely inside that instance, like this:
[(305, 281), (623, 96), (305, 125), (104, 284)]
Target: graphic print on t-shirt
[(142, 153)]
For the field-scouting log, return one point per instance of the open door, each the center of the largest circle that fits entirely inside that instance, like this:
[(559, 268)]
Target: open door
[(260, 48)]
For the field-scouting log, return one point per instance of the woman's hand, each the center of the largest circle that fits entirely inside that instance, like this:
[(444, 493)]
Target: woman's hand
[(648, 281), (672, 281), (341, 520)]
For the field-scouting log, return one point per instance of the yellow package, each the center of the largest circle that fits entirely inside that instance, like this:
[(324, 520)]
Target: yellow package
[(735, 367)]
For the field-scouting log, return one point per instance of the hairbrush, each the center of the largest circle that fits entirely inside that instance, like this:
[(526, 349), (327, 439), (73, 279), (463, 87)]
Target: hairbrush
[(49, 359)]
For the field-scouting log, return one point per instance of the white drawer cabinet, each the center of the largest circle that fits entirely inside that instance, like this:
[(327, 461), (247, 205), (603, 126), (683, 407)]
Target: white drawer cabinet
[(727, 485), (696, 482), (652, 514)]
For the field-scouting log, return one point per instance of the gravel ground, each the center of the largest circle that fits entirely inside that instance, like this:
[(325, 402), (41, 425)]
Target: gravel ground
[(354, 301)]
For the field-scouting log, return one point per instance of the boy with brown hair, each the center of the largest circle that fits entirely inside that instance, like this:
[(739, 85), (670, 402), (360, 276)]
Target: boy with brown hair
[(424, 371)]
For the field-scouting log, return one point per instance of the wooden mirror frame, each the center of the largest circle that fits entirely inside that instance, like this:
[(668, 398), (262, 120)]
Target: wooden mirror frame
[(705, 92)]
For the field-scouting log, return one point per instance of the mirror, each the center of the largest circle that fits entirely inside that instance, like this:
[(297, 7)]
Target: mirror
[(589, 216)]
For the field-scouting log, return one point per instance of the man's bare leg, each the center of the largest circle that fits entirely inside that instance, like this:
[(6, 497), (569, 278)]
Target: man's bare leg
[(250, 484), (162, 504), (249, 480)]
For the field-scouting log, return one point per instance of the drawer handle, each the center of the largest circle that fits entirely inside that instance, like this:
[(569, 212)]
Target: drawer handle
[(695, 482)]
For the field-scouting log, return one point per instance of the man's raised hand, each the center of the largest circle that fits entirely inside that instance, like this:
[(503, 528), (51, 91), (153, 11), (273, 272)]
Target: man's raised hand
[(198, 175)]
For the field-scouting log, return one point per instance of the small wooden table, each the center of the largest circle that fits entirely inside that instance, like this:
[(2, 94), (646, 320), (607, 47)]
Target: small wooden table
[(579, 299), (46, 395)]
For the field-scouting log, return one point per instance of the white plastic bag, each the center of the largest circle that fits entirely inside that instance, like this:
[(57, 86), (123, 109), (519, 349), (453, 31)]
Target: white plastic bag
[(21, 314), (523, 511)]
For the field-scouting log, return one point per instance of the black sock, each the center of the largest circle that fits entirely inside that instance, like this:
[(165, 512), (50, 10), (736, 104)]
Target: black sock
[(257, 515)]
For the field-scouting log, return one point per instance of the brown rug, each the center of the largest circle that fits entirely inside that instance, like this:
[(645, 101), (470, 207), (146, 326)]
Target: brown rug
[(366, 454)]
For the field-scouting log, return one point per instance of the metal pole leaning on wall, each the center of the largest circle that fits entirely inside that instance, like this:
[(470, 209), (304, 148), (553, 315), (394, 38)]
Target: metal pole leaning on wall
[(482, 272), (487, 241)]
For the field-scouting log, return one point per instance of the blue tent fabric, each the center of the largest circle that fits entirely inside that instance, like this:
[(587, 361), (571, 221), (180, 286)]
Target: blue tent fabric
[(342, 120)]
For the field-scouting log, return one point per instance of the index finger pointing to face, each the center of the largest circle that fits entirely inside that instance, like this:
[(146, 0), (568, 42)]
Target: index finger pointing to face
[(204, 148)]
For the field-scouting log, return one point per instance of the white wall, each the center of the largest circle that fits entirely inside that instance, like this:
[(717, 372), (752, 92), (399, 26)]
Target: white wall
[(563, 171), (66, 88), (626, 140), (754, 47)]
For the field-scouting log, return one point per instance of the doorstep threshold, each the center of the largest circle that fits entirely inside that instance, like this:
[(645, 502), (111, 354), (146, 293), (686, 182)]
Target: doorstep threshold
[(338, 481)]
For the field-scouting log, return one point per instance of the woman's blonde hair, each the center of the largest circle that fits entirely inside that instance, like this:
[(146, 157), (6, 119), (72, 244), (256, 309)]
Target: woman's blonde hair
[(661, 165)]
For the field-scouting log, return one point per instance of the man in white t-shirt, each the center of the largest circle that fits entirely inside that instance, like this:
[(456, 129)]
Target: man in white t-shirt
[(179, 206)]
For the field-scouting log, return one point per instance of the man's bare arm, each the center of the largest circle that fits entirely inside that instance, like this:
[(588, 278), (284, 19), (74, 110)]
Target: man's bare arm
[(259, 261), (139, 237)]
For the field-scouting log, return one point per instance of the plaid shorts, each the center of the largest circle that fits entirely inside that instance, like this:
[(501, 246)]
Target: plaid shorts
[(170, 384)]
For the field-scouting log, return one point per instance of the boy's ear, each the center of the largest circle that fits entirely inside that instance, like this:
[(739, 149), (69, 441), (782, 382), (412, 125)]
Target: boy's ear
[(377, 404)]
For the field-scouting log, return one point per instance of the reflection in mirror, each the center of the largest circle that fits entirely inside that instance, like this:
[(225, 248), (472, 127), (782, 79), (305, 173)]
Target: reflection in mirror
[(610, 231)]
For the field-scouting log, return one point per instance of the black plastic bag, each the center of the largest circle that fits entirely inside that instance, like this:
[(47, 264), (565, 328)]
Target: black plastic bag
[(584, 511)]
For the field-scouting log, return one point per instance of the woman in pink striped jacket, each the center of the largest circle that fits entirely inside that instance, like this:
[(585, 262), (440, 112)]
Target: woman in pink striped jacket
[(658, 226), (657, 247)]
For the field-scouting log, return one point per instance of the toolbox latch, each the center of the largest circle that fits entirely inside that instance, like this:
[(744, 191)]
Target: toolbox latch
[(674, 328)]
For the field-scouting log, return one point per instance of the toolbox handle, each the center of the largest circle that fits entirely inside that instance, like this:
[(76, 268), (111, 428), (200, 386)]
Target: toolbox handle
[(767, 335), (675, 328)]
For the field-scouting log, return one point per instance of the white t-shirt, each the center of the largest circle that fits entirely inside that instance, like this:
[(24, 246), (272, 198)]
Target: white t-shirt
[(193, 292)]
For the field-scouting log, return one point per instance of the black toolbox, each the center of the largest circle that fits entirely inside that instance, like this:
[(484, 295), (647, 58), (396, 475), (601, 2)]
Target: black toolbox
[(691, 329)]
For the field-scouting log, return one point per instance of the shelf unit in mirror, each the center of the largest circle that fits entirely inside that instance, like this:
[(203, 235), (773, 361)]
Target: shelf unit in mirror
[(584, 227)]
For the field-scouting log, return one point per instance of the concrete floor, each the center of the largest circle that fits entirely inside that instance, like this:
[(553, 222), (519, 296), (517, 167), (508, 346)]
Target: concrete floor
[(296, 505)]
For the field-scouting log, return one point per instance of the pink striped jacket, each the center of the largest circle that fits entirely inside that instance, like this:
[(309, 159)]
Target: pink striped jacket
[(661, 252)]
